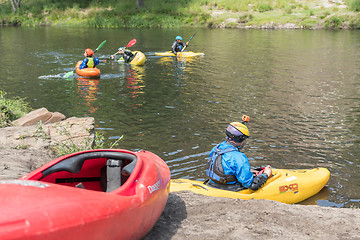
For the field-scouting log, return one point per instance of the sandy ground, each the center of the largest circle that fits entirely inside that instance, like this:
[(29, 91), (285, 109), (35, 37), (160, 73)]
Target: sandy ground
[(191, 216)]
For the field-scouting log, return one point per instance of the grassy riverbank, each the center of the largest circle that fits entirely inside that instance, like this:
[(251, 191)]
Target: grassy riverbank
[(11, 109), (334, 14)]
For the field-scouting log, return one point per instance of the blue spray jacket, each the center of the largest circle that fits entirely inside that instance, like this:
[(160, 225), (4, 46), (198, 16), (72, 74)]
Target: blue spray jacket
[(84, 63), (235, 163)]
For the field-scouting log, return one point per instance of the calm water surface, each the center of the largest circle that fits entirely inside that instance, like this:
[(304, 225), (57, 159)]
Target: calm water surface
[(300, 88)]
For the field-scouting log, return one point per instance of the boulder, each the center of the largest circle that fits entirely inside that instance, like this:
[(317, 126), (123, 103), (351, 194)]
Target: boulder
[(55, 117), (41, 114), (42, 136)]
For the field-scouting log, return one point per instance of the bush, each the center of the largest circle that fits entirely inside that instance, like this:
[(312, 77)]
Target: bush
[(11, 109), (245, 18), (334, 22), (354, 23), (288, 10), (354, 5), (263, 7)]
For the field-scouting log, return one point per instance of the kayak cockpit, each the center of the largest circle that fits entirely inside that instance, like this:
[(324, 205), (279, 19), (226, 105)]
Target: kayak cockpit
[(100, 171)]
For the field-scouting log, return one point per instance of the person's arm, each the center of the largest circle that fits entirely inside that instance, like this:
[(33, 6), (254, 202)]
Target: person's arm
[(96, 61), (258, 181), (173, 48), (127, 56), (83, 64), (261, 179), (244, 175), (238, 164), (129, 53)]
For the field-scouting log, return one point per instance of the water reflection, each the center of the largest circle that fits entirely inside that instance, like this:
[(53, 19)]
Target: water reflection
[(320, 197), (134, 81), (88, 88)]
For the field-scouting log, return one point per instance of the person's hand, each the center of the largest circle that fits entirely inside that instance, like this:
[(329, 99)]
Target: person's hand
[(112, 56), (254, 172), (268, 170), (187, 43)]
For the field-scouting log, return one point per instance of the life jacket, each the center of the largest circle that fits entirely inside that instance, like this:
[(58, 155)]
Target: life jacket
[(90, 63), (215, 170), (128, 56)]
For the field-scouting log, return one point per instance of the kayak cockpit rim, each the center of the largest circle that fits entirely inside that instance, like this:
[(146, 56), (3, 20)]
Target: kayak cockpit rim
[(96, 170)]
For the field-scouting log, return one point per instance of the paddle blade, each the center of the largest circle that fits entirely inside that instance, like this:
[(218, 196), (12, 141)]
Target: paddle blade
[(131, 43), (100, 46), (68, 74)]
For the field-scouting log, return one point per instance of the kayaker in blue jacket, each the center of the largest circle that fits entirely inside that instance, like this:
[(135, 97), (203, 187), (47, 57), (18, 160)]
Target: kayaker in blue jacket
[(228, 168), (178, 45), (125, 55), (90, 60)]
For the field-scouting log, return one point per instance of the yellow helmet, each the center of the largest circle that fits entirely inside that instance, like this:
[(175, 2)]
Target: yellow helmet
[(238, 131)]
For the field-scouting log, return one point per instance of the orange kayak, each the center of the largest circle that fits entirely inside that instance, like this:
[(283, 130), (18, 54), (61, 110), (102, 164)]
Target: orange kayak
[(87, 72)]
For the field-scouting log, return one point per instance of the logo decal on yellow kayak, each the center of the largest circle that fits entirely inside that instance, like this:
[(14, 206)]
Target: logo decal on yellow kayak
[(154, 187), (288, 188)]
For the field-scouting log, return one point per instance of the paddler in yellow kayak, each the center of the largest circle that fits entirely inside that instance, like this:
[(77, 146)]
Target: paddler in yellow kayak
[(228, 168), (178, 45), (125, 55)]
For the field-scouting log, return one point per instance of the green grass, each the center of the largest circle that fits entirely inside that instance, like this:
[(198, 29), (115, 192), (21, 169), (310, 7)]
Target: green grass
[(354, 5), (177, 13), (67, 146), (11, 109)]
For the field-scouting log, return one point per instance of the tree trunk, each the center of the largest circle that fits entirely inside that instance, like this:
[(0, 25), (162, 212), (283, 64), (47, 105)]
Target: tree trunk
[(139, 3), (15, 4)]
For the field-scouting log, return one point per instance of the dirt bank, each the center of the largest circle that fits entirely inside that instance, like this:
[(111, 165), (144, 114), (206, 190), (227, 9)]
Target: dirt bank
[(191, 216)]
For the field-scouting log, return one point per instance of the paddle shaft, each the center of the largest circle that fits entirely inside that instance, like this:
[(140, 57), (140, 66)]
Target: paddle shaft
[(100, 46), (189, 41), (130, 44)]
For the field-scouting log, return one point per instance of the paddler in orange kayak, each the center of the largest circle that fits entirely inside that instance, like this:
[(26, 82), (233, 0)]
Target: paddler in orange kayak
[(90, 60)]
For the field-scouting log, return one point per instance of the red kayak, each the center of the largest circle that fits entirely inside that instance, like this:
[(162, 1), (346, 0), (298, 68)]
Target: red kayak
[(97, 194)]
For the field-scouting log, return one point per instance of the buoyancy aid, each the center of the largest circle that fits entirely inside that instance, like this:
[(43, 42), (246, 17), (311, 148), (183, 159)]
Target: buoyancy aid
[(215, 170), (90, 63)]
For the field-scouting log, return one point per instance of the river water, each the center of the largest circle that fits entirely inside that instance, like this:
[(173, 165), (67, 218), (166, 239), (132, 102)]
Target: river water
[(300, 88)]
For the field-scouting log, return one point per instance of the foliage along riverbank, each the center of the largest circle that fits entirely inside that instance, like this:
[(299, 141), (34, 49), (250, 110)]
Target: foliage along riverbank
[(308, 14)]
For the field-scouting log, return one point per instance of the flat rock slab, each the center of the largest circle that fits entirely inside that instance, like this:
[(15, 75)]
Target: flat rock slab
[(43, 136)]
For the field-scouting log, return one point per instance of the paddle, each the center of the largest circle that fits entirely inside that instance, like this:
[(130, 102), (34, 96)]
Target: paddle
[(68, 74), (187, 42), (130, 44)]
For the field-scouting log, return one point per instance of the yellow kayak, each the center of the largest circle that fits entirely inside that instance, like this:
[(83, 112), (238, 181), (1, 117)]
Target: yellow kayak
[(287, 186), (182, 54), (138, 60)]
